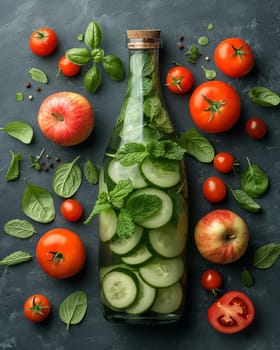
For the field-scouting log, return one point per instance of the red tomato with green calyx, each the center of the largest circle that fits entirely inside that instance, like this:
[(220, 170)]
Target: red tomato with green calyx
[(214, 189), (231, 313), (71, 209), (43, 41), (67, 68), (179, 80), (212, 280), (224, 162), (60, 253), (37, 308), (215, 106), (256, 128), (234, 57)]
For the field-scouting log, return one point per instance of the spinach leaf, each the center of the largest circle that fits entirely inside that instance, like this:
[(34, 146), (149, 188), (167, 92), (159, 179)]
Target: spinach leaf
[(19, 130), (247, 278), (266, 255), (254, 181), (73, 308), (67, 179), (263, 96), (91, 172), (15, 258), (19, 228), (13, 170), (245, 201), (38, 204)]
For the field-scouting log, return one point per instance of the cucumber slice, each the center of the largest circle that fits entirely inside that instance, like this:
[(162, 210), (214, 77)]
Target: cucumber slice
[(168, 299), (144, 300), (107, 224), (123, 246), (168, 241), (163, 215), (158, 176), (120, 288), (161, 273), (139, 257), (118, 172)]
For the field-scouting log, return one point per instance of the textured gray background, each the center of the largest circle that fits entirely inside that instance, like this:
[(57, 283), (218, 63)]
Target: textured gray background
[(255, 21)]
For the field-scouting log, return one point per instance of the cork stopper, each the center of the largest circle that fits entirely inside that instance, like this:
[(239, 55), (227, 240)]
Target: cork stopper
[(143, 39)]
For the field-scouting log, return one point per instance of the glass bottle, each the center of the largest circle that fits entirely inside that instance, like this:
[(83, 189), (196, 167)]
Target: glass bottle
[(142, 201)]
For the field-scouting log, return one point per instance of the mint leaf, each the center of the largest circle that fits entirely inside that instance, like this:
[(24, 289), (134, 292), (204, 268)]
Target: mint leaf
[(156, 149), (152, 107), (120, 192), (131, 153), (38, 75), (173, 150), (125, 224), (143, 206)]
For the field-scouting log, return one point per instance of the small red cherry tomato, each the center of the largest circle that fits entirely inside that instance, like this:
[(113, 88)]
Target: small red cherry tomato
[(71, 209), (43, 41), (179, 80), (68, 68), (224, 162), (214, 189), (37, 308), (212, 280), (256, 128)]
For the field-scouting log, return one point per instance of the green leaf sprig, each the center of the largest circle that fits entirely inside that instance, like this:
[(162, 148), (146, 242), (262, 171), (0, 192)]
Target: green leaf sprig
[(94, 54), (193, 54)]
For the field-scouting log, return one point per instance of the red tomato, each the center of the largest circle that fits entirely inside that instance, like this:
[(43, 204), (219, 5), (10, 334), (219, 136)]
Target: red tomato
[(214, 106), (256, 128), (224, 162), (214, 189), (68, 68), (43, 41), (231, 313), (71, 209), (234, 57), (37, 308), (179, 80), (212, 280), (60, 253)]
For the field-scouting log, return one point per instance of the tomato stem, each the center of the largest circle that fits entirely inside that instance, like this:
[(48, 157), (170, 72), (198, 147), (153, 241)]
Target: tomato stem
[(57, 257), (238, 51), (214, 106), (37, 307)]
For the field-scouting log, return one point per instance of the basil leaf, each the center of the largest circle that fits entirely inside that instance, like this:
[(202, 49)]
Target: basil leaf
[(143, 206), (93, 35), (97, 55), (67, 179), (125, 224), (254, 181), (247, 278), (80, 56), (13, 170), (38, 75), (19, 130), (152, 107), (131, 153), (245, 201), (266, 255), (114, 67), (73, 308), (19, 228), (92, 79), (38, 204), (120, 192), (15, 258), (91, 172), (197, 146), (263, 96)]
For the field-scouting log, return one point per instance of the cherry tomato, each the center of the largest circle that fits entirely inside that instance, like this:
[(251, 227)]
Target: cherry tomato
[(234, 57), (71, 209), (37, 308), (60, 253), (179, 80), (68, 68), (214, 106), (214, 189), (256, 128), (224, 162), (43, 41), (212, 280), (231, 313)]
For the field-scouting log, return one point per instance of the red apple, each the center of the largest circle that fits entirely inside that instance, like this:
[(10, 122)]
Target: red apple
[(221, 236), (66, 118)]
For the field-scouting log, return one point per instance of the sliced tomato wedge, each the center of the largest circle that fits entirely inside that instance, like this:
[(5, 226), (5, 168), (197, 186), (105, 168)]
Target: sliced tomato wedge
[(231, 313)]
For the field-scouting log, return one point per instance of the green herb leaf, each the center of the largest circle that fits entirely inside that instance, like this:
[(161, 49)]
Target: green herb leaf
[(141, 64), (92, 79), (143, 206), (131, 153), (15, 258), (38, 204), (97, 55), (80, 56), (210, 74), (197, 146), (254, 181), (19, 228), (93, 35), (247, 278), (193, 54), (209, 26), (38, 75), (125, 224), (120, 192), (13, 170), (114, 67), (266, 255), (91, 172), (152, 107), (19, 130), (80, 37), (203, 40), (263, 96), (19, 96), (67, 179), (245, 201), (73, 308)]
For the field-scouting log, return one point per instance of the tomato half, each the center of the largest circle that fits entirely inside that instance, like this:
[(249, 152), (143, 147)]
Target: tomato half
[(215, 106), (68, 68), (71, 209), (37, 308), (43, 41), (179, 80), (60, 253), (224, 162), (214, 189), (231, 313), (234, 57), (256, 128)]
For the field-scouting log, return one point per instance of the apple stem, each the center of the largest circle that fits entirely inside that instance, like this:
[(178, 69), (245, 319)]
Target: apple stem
[(58, 116)]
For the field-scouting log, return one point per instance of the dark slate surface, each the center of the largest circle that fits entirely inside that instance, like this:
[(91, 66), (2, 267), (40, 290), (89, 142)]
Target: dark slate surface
[(255, 21)]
